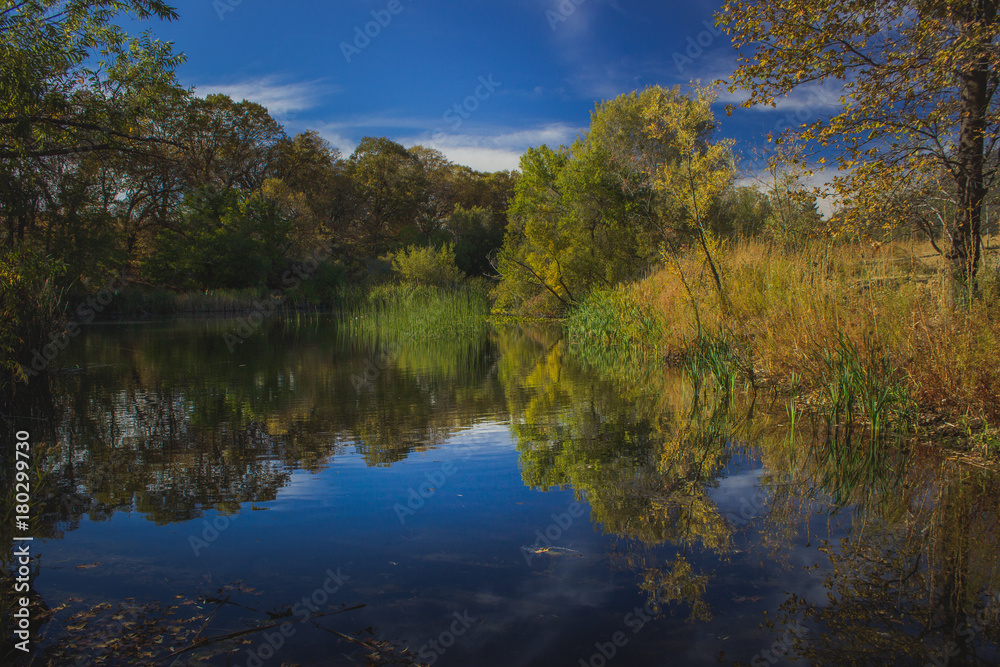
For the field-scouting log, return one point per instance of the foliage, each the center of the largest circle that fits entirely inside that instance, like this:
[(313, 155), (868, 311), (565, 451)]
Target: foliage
[(741, 211), (427, 266), (478, 235), (29, 309), (615, 318), (917, 89), (224, 239), (878, 330), (72, 82), (645, 174)]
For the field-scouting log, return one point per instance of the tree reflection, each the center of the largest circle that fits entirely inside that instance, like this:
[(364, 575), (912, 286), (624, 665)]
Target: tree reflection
[(644, 458), (174, 430), (914, 581)]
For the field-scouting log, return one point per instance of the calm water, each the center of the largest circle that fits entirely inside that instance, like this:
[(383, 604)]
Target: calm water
[(490, 502)]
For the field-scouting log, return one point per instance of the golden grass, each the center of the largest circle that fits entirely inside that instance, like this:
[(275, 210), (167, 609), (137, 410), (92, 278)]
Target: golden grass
[(788, 307)]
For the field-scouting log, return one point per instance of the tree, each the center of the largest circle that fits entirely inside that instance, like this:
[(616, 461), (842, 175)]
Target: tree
[(427, 266), (72, 82), (792, 212), (477, 237), (699, 172), (741, 211), (919, 92), (388, 187), (228, 239), (229, 144), (645, 176)]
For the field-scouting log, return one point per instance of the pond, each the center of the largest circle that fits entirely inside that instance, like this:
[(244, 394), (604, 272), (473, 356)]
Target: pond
[(502, 500)]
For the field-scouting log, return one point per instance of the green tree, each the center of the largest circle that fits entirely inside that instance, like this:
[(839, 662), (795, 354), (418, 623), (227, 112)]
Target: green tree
[(644, 176), (740, 211), (478, 234), (388, 187), (226, 239), (73, 86), (228, 144), (72, 82), (918, 85)]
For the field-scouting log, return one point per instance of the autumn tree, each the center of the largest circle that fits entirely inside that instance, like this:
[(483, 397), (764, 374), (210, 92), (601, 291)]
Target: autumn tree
[(387, 188), (643, 179), (228, 144), (918, 85)]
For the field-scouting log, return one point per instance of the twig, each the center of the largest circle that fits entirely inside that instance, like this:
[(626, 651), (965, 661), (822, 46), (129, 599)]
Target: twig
[(210, 617), (239, 633)]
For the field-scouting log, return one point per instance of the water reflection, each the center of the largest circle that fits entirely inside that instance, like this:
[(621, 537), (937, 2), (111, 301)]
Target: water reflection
[(707, 505)]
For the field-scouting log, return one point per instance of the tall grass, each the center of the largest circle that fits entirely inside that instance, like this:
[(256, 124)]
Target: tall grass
[(400, 311), (866, 332), (612, 321)]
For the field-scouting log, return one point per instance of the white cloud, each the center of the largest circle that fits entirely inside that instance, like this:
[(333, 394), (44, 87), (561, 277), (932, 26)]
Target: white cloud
[(329, 131), (814, 99), (280, 99), (820, 178), (496, 151)]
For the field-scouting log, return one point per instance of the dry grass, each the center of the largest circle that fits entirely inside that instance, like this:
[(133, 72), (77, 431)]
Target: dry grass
[(790, 307)]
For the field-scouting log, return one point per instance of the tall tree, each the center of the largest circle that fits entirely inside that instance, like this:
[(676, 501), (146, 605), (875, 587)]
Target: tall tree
[(644, 176), (72, 82), (919, 85), (229, 144), (388, 186)]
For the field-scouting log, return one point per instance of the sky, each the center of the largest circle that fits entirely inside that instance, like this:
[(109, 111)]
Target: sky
[(478, 80)]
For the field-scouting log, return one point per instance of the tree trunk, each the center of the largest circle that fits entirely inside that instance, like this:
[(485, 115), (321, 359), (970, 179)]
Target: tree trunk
[(973, 107)]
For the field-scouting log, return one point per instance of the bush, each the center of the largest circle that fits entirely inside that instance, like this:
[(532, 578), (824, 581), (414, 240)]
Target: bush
[(30, 308), (427, 266)]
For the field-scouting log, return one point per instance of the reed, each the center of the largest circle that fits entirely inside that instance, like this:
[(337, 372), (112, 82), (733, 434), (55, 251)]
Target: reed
[(873, 335), (401, 311)]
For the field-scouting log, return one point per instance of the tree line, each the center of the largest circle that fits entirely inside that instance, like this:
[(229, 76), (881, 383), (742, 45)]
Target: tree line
[(108, 167)]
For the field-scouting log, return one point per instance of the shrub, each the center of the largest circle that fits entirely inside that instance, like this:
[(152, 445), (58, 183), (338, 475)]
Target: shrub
[(427, 266)]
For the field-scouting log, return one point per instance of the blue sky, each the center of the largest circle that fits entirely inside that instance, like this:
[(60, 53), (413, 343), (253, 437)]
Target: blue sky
[(522, 72)]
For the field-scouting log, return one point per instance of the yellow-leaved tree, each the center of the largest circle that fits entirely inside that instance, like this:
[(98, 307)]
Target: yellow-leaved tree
[(643, 177), (918, 82)]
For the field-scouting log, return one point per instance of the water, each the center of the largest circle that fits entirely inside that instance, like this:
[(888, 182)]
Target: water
[(493, 501)]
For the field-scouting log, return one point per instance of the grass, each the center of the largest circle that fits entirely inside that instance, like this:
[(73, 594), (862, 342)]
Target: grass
[(401, 311), (866, 333)]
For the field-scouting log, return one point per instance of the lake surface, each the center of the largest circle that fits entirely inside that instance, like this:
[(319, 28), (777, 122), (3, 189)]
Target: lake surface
[(494, 501)]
